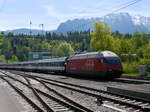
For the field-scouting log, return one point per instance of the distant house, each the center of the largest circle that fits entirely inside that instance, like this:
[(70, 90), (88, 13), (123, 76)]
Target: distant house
[(39, 55)]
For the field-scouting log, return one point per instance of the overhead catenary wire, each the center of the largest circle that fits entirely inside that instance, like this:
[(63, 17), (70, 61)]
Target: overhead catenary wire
[(126, 5), (119, 5)]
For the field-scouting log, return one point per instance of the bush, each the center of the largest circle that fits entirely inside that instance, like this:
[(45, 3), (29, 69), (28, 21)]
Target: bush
[(64, 49), (130, 67), (146, 62)]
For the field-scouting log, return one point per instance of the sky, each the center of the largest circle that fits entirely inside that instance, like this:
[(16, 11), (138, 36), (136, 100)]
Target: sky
[(16, 14)]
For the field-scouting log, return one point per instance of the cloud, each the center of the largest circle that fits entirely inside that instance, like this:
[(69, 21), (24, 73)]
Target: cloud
[(82, 11), (76, 13)]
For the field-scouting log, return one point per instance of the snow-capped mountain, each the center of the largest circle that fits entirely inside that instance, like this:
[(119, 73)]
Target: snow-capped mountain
[(141, 20), (123, 22)]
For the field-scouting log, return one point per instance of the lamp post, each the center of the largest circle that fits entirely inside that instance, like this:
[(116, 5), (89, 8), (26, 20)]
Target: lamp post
[(42, 26), (30, 28)]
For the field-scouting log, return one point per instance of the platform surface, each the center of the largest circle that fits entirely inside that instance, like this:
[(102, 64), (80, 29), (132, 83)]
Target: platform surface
[(135, 80), (131, 91), (8, 102)]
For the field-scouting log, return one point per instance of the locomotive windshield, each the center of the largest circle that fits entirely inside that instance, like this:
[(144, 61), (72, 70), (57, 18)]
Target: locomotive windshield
[(111, 60)]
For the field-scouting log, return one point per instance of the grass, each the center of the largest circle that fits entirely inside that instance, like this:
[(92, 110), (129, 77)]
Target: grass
[(133, 74)]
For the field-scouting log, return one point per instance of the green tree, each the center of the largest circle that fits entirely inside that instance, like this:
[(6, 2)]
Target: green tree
[(146, 56), (44, 46), (139, 40), (146, 51), (13, 59), (6, 49), (64, 49), (22, 53), (1, 41), (2, 34), (125, 46), (2, 59), (101, 37)]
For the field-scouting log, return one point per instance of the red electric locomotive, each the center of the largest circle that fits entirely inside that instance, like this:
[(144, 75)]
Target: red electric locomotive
[(96, 64)]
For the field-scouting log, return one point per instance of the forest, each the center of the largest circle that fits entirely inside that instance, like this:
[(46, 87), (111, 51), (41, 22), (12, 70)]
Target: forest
[(133, 49)]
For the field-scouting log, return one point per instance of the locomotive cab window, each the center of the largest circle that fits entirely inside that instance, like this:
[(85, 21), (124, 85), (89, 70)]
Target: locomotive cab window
[(101, 60), (112, 60)]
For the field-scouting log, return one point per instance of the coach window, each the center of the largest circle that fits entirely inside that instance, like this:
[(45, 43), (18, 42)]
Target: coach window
[(43, 64), (54, 63), (46, 64), (40, 64), (51, 64)]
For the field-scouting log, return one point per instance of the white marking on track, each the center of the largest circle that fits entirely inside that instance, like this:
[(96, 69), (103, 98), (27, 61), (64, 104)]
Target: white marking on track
[(34, 81), (114, 108)]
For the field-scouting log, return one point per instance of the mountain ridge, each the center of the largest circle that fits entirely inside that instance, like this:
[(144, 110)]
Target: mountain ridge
[(122, 22)]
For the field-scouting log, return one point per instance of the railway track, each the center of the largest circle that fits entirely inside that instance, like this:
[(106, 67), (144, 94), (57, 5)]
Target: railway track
[(55, 103), (125, 100), (132, 103), (34, 105), (137, 104)]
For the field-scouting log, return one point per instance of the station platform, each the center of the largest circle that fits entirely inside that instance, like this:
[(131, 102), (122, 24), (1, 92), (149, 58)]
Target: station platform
[(132, 90), (8, 103), (134, 80)]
